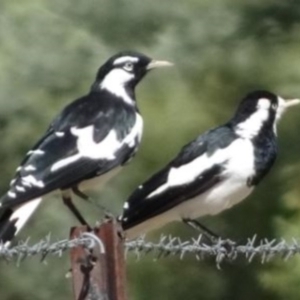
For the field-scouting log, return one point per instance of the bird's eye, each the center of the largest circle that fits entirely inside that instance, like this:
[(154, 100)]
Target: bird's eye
[(274, 105), (128, 66)]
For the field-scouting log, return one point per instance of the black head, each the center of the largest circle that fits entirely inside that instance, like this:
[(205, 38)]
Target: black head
[(261, 108), (263, 101), (126, 69)]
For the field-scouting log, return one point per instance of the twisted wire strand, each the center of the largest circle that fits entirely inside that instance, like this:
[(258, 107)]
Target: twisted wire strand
[(221, 250)]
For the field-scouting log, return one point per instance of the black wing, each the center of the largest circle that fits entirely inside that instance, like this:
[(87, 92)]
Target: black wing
[(55, 162), (148, 200)]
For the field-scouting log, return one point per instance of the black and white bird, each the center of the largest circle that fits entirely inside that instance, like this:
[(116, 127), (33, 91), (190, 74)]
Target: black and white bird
[(86, 144), (212, 173)]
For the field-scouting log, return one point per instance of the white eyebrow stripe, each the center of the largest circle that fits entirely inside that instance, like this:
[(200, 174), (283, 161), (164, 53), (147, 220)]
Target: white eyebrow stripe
[(123, 59)]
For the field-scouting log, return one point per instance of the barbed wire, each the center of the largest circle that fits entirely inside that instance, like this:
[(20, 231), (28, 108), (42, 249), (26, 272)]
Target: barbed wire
[(221, 250)]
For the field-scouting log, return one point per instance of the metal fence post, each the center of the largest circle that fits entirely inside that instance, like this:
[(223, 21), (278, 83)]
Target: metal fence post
[(99, 276)]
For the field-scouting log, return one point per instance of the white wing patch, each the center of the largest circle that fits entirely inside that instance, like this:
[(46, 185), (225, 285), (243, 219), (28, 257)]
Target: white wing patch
[(37, 151), (64, 162), (11, 194), (87, 146), (115, 81), (59, 133), (29, 168), (106, 149), (235, 156), (29, 180), (20, 189)]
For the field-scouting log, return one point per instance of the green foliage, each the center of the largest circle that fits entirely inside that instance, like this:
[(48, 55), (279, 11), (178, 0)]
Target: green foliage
[(49, 54)]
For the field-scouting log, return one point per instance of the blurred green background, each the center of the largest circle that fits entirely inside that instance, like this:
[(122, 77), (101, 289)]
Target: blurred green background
[(49, 54)]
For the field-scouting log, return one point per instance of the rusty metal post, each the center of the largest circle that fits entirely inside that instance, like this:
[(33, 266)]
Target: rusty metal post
[(99, 276)]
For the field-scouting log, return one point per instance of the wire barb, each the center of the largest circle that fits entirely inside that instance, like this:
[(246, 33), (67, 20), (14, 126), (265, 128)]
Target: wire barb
[(264, 249)]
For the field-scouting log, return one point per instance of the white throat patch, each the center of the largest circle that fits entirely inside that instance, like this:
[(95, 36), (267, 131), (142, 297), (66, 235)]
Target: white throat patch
[(251, 126), (115, 81)]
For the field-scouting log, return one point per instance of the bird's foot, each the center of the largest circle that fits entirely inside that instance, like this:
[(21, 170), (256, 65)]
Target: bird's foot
[(68, 202), (109, 216), (229, 247), (207, 233)]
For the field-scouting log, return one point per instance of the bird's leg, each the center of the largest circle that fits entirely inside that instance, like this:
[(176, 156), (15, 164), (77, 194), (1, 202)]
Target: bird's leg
[(68, 202), (80, 194), (213, 237)]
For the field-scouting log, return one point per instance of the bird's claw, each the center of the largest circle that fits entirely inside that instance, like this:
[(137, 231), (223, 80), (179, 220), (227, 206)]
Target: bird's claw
[(229, 246)]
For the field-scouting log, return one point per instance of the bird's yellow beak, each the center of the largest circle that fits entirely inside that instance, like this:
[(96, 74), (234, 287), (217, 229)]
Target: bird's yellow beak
[(159, 64), (291, 102)]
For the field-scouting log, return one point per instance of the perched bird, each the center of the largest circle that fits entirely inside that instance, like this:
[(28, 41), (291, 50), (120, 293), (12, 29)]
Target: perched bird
[(212, 173), (86, 144)]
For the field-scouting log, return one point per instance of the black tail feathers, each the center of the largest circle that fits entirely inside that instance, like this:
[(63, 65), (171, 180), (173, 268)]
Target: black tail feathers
[(8, 227)]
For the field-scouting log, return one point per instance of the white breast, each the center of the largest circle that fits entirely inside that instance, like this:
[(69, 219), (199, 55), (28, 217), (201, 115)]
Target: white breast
[(231, 190)]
